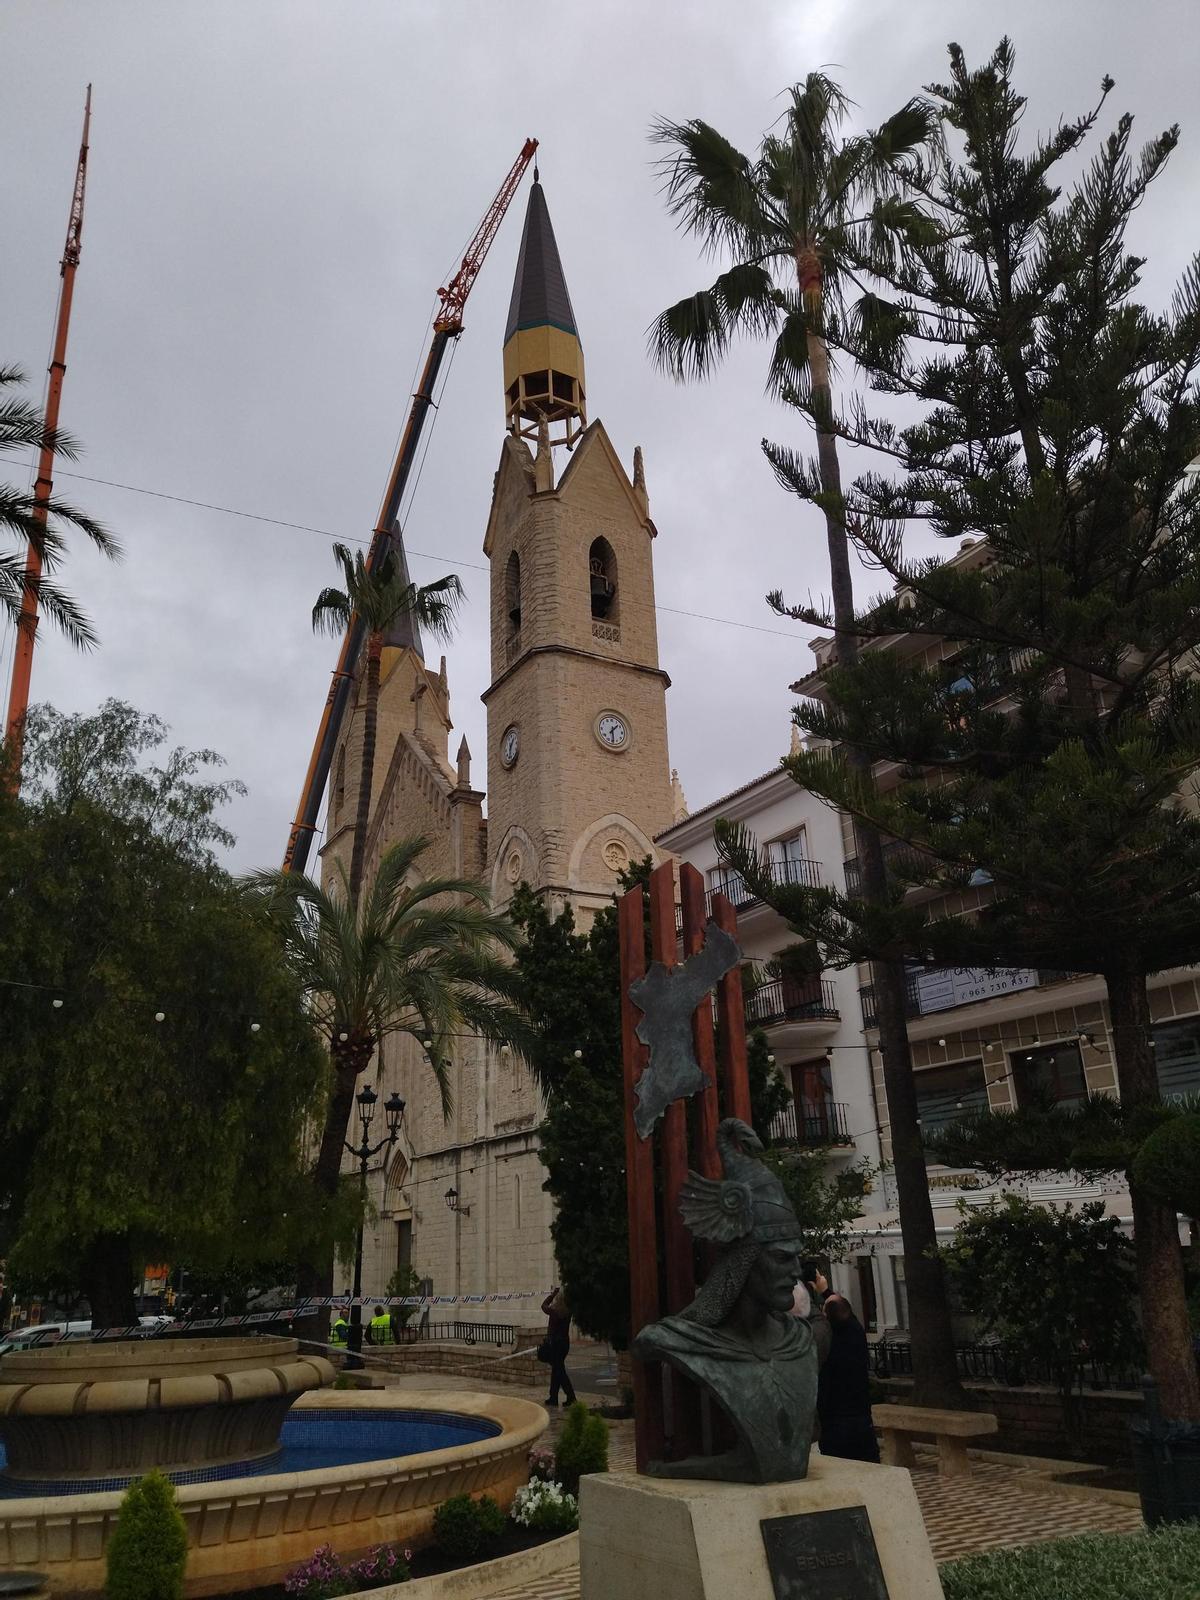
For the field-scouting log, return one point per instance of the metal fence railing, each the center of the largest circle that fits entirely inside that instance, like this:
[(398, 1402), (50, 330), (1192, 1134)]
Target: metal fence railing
[(497, 1333), (997, 1363)]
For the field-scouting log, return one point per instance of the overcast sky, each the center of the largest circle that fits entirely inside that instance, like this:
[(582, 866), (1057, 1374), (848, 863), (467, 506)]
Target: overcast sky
[(277, 188)]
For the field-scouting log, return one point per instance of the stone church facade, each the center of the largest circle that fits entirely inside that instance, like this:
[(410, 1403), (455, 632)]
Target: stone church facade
[(578, 785)]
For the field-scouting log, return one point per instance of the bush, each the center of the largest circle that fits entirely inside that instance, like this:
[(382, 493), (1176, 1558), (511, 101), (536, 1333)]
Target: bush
[(147, 1553), (582, 1447), (546, 1508), (1099, 1566), (466, 1529), (1168, 1163)]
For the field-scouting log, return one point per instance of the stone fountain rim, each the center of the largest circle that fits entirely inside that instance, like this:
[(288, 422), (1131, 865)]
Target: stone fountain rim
[(79, 1381), (521, 1423)]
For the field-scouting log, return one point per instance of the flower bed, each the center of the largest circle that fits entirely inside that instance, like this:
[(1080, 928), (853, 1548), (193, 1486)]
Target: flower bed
[(467, 1531)]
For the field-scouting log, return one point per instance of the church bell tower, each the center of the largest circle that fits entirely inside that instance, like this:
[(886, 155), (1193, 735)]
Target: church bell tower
[(578, 774)]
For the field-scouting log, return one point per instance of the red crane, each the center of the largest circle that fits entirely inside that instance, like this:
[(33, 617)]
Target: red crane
[(18, 696), (447, 325)]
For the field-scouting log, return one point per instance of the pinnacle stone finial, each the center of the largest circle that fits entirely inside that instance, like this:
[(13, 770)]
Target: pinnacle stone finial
[(679, 805), (543, 462), (404, 632), (796, 745), (464, 764), (639, 478)]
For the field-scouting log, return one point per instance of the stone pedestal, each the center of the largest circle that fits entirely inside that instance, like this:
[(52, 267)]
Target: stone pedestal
[(683, 1539)]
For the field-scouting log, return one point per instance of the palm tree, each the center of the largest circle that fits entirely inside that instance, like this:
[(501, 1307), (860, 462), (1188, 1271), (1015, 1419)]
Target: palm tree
[(798, 220), (424, 958), (21, 428), (379, 597), (793, 219)]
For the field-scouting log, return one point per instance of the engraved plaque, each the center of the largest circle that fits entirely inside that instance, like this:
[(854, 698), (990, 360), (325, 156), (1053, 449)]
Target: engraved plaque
[(824, 1555)]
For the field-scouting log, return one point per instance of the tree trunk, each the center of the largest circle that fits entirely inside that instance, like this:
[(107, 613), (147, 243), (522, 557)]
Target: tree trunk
[(106, 1275), (350, 1059), (362, 821), (1155, 1228), (935, 1366)]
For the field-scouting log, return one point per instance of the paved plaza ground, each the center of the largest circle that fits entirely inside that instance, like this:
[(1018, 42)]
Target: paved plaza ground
[(1001, 1504)]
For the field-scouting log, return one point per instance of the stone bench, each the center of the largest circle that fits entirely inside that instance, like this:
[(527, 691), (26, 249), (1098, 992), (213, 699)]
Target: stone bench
[(950, 1430)]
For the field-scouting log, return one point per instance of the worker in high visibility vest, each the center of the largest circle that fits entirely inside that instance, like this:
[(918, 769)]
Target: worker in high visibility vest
[(340, 1332), (379, 1329)]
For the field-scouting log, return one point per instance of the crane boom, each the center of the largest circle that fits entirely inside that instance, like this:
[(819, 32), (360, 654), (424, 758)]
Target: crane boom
[(447, 326), (22, 670)]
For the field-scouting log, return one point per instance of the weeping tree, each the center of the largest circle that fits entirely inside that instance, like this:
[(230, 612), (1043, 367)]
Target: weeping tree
[(796, 221), (1044, 741)]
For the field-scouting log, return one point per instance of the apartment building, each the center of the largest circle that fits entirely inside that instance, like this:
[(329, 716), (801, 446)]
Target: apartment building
[(813, 1024)]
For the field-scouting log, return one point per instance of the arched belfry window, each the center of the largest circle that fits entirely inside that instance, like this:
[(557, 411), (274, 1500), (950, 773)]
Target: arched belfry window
[(602, 577), (512, 592), (339, 783)]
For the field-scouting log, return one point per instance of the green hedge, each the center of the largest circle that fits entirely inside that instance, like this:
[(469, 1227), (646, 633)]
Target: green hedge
[(1163, 1565)]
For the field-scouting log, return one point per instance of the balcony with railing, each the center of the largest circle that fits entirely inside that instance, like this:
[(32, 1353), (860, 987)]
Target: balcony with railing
[(812, 1122), (947, 988), (739, 894), (899, 858), (791, 1000)]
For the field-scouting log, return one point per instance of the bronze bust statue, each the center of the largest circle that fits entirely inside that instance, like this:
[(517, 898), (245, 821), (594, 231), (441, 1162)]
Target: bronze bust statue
[(738, 1339)]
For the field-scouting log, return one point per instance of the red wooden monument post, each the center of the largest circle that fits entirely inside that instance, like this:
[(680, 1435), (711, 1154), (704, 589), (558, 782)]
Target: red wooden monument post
[(662, 1260)]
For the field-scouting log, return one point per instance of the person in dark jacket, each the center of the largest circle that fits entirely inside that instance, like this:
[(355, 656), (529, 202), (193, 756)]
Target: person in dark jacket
[(844, 1387), (558, 1341)]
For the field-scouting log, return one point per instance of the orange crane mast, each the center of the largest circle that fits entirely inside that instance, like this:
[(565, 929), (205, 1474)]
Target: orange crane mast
[(447, 325), (22, 672)]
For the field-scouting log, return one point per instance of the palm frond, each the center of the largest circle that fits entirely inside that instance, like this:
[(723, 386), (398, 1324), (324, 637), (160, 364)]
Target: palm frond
[(689, 338), (709, 186)]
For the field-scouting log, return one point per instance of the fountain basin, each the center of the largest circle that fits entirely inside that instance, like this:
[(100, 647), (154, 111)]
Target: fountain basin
[(248, 1531), (111, 1411)]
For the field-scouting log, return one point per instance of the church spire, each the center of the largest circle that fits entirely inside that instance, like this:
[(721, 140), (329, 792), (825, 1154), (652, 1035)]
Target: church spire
[(543, 358), (405, 631)]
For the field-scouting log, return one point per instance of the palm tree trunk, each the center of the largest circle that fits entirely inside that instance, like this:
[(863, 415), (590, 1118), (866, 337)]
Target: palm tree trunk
[(935, 1366), (1155, 1229), (362, 821), (350, 1060)]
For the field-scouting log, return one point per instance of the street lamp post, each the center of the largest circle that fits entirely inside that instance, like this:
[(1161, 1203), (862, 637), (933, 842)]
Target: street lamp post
[(393, 1107)]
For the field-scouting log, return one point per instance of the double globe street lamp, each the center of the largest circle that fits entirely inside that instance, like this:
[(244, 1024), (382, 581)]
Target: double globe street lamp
[(366, 1099)]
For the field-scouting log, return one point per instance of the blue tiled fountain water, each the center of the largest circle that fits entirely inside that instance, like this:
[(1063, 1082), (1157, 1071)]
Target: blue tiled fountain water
[(310, 1440)]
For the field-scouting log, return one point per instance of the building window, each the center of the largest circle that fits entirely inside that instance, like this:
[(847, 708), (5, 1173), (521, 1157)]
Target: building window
[(404, 1245), (517, 1201), (789, 858), (946, 1093), (1177, 1057), (866, 1292), (602, 580), (901, 1291), (1050, 1075), (339, 784), (512, 592), (722, 881)]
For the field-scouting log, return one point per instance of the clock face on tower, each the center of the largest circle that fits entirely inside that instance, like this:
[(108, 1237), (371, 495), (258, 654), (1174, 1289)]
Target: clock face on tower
[(510, 745), (612, 731)]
